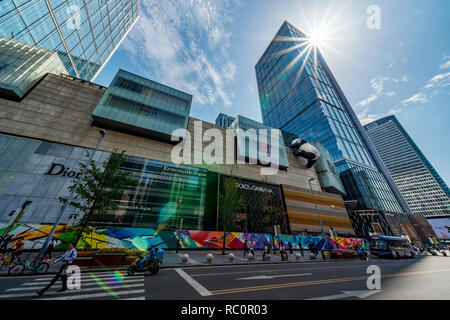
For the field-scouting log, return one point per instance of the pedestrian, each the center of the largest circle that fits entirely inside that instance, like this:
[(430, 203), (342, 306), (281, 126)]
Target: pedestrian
[(283, 253), (266, 247), (291, 252), (252, 248), (245, 247), (67, 259), (50, 248), (300, 247)]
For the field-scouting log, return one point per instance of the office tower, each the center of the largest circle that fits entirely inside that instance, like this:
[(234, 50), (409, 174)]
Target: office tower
[(421, 186), (84, 33), (302, 97), (224, 120)]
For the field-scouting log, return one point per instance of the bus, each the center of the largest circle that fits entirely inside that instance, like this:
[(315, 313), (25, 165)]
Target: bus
[(391, 247)]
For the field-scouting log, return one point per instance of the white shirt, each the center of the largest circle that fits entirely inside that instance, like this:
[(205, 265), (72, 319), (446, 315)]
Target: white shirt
[(68, 256)]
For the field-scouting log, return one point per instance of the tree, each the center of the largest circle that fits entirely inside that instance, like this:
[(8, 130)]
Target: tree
[(99, 189), (230, 204)]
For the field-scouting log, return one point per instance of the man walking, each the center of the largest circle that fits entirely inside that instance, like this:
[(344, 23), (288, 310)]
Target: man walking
[(67, 259), (245, 247), (300, 246), (291, 252)]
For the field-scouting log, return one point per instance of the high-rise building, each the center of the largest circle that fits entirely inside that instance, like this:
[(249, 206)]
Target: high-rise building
[(299, 94), (84, 33), (224, 120), (421, 186)]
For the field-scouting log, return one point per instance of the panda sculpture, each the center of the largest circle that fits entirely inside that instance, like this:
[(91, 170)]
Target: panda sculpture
[(305, 150)]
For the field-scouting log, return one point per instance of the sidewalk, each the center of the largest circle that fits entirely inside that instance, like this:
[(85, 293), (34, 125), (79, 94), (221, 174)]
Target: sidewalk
[(198, 258)]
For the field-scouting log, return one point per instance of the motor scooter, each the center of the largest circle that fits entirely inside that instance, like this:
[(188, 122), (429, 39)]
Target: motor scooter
[(363, 254), (150, 262)]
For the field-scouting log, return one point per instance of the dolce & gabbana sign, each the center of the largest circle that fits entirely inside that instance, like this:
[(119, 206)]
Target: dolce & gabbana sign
[(252, 187)]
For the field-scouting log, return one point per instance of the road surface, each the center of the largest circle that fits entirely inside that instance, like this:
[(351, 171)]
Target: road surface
[(420, 278)]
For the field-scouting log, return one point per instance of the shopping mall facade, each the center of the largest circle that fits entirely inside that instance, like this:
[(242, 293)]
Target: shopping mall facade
[(47, 133), (50, 122)]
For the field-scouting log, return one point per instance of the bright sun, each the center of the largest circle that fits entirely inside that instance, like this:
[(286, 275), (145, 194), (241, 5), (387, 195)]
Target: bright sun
[(316, 39)]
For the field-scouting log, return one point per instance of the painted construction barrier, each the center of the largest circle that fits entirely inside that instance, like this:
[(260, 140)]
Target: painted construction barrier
[(143, 238)]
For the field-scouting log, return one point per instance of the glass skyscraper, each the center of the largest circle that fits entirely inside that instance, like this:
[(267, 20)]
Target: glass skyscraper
[(224, 120), (84, 33), (302, 97), (421, 186)]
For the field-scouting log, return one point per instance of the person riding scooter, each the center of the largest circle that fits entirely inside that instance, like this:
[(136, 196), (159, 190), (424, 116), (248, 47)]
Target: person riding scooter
[(362, 254), (150, 255)]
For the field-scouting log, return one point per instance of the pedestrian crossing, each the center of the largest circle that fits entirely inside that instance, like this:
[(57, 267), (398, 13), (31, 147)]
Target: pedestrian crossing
[(94, 286)]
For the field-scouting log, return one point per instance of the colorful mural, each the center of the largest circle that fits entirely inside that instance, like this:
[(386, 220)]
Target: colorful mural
[(143, 238)]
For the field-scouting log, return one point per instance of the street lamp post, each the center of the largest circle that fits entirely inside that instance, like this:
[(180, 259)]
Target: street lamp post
[(66, 205), (180, 223), (315, 204)]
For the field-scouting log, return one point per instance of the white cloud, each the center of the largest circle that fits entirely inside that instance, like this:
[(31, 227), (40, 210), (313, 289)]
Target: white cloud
[(418, 97), (439, 77), (170, 38), (365, 102), (432, 88), (405, 78), (445, 65), (378, 84), (446, 62), (365, 117), (394, 111)]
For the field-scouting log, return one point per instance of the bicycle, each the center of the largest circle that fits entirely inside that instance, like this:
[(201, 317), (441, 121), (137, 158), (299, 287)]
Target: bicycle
[(5, 260), (19, 268)]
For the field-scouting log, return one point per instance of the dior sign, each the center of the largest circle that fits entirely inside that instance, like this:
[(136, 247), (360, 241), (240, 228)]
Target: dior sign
[(57, 169)]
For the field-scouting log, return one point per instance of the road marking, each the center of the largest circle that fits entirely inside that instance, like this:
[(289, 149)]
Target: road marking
[(197, 286), (262, 277), (105, 276), (25, 286), (347, 294), (135, 298), (17, 295), (316, 282), (95, 295), (283, 270)]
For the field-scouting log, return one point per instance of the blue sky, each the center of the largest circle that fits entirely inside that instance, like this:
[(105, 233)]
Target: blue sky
[(209, 48)]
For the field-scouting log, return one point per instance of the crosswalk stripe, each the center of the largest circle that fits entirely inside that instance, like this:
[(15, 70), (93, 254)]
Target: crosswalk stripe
[(135, 298), (86, 280), (85, 276), (95, 295), (24, 295), (25, 286)]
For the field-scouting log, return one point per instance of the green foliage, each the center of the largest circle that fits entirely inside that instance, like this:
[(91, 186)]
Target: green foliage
[(100, 187)]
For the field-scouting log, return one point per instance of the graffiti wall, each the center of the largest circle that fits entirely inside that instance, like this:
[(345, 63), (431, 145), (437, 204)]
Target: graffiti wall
[(143, 238)]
